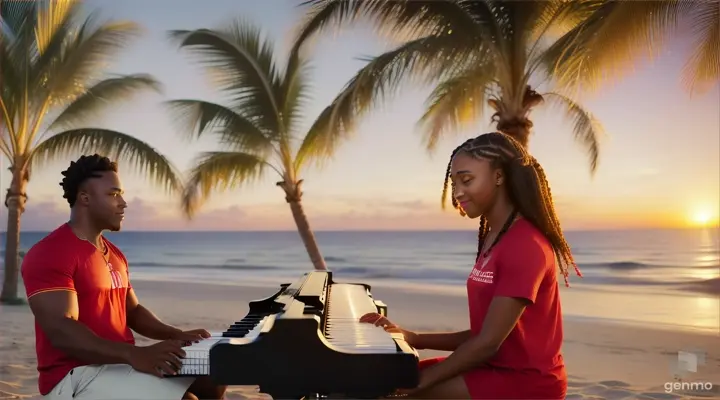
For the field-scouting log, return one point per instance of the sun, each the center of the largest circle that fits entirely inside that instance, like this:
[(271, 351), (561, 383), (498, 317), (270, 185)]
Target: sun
[(702, 217)]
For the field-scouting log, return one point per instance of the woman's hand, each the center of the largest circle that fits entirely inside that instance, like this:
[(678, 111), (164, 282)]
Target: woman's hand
[(426, 382), (378, 320)]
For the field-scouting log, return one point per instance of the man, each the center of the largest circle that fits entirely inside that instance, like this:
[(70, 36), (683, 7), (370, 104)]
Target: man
[(85, 308)]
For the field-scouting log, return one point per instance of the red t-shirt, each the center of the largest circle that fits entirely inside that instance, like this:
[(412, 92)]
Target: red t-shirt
[(523, 265), (62, 261)]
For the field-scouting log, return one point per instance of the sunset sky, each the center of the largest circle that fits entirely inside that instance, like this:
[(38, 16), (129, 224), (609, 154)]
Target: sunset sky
[(659, 164)]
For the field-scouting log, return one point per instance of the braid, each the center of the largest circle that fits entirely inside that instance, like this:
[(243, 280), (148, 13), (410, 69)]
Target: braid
[(527, 187), (562, 250), (482, 234)]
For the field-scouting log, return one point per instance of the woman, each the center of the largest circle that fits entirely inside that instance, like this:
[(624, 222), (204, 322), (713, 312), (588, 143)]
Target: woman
[(512, 349)]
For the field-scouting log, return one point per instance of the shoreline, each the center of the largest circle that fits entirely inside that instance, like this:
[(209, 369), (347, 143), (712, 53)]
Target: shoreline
[(604, 359), (459, 291)]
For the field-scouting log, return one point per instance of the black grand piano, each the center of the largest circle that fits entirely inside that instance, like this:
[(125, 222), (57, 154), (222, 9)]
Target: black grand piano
[(306, 340)]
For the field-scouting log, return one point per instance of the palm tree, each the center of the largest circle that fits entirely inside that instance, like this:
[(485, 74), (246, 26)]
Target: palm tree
[(610, 36), (475, 53), (258, 128), (49, 70)]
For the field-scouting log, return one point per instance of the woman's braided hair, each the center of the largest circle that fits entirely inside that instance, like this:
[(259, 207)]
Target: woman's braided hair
[(527, 187)]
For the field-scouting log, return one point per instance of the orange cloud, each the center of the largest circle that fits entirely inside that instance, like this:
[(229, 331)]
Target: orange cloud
[(342, 213), (331, 214)]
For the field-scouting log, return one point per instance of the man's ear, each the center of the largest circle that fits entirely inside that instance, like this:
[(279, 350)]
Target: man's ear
[(83, 198)]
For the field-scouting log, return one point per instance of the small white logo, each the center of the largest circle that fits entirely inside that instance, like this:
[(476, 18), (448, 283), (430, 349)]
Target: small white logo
[(687, 361), (479, 275)]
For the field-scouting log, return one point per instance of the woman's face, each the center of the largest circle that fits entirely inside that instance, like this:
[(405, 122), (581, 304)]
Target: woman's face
[(476, 183)]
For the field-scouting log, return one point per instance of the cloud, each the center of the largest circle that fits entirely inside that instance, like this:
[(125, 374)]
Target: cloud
[(328, 214)]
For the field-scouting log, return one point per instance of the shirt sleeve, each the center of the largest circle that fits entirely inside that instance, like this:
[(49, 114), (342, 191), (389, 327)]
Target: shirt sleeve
[(45, 272), (522, 268)]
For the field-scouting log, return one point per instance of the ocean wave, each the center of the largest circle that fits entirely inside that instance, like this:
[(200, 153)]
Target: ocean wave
[(621, 265), (420, 274), (633, 265), (708, 286), (234, 266)]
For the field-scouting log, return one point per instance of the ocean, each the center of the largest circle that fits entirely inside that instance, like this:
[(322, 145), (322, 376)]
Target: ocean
[(668, 278)]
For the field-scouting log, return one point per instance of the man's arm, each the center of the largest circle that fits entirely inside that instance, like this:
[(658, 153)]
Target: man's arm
[(144, 322), (448, 341), (56, 312)]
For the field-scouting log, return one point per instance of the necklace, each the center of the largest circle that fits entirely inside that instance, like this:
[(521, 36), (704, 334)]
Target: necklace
[(506, 226), (104, 252)]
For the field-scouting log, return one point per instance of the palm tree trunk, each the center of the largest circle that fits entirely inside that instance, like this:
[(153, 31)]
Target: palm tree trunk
[(307, 236), (518, 128), (293, 195), (15, 203), (515, 122)]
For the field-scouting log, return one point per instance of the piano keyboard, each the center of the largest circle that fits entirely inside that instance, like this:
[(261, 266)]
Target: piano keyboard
[(311, 344), (197, 355), (346, 304)]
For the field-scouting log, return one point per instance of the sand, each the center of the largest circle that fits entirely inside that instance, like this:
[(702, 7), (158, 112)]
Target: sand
[(604, 360)]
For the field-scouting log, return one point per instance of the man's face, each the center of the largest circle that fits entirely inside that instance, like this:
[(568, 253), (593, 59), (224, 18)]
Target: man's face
[(103, 198)]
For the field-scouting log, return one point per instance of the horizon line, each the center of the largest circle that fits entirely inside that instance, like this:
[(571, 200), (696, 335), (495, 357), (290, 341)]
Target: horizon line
[(2, 232)]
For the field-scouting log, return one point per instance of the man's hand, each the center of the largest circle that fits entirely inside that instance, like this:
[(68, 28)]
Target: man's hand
[(191, 336), (157, 359)]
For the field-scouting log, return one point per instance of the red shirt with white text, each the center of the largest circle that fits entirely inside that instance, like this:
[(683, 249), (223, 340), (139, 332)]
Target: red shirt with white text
[(62, 261), (522, 265)]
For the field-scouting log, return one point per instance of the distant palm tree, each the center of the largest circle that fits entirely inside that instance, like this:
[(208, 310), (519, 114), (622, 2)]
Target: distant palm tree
[(258, 128), (49, 70), (608, 36), (474, 53)]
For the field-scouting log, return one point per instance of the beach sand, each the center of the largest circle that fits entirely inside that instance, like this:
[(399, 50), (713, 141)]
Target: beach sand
[(604, 360)]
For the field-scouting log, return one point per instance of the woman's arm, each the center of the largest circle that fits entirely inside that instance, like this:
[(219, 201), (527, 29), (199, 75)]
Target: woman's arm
[(445, 341), (520, 276), (503, 314)]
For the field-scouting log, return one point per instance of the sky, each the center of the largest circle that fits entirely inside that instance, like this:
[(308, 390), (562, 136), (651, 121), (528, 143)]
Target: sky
[(659, 166)]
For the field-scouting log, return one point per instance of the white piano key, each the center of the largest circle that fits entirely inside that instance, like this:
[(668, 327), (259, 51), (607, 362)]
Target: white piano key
[(197, 355), (253, 334), (346, 304)]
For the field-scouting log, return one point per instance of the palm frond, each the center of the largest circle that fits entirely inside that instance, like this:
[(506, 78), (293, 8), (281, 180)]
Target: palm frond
[(422, 61), (295, 92), (81, 59), (196, 118), (52, 15), (320, 142), (241, 64), (607, 43), (703, 68), (13, 14), (586, 128), (218, 171), (399, 19), (9, 89), (143, 158), (107, 92), (457, 101)]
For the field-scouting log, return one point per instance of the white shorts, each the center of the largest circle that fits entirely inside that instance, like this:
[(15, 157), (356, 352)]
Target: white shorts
[(117, 382)]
